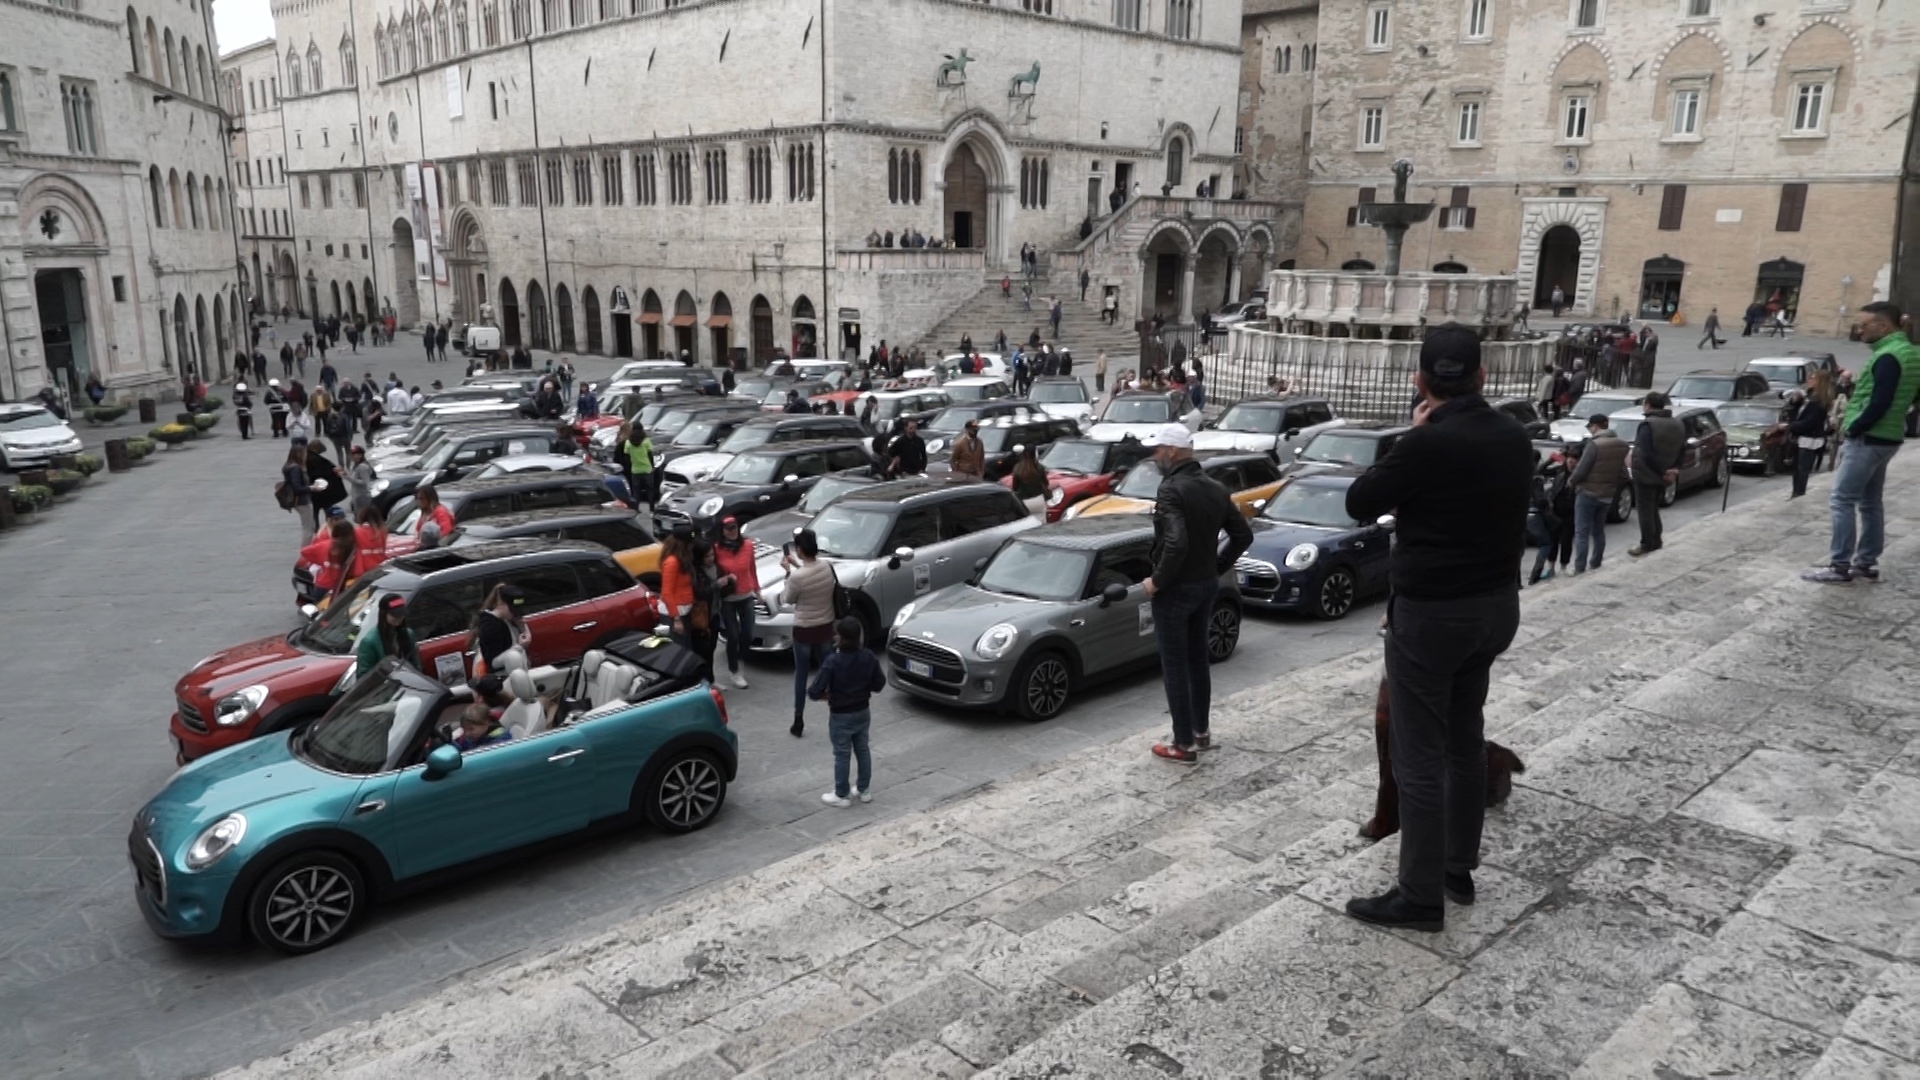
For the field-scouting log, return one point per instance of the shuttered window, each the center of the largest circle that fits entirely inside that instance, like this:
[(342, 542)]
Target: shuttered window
[(1673, 205), (1353, 212), (1793, 206)]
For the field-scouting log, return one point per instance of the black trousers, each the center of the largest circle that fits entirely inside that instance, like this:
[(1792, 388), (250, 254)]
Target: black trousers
[(1802, 468), (1439, 653), (1646, 498)]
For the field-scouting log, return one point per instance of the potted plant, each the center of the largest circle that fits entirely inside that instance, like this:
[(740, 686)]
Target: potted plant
[(211, 402), (104, 414), (65, 481), (88, 464), (173, 434), (30, 497), (139, 446), (205, 420)]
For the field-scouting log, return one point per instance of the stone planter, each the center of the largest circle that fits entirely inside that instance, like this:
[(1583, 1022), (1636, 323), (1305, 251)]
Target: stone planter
[(149, 410), (118, 460)]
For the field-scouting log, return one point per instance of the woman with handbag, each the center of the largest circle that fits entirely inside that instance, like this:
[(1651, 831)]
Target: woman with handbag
[(739, 588), (687, 580)]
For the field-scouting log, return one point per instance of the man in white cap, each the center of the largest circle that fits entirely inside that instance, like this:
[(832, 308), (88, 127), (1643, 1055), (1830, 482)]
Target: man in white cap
[(276, 401), (1190, 512)]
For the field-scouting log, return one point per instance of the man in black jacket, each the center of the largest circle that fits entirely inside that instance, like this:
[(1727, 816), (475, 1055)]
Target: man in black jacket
[(907, 455), (1657, 447), (1190, 512), (1459, 483)]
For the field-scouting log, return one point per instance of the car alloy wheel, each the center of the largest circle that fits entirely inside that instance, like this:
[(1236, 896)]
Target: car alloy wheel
[(687, 793), (1336, 594), (1720, 471), (1670, 493), (1622, 507), (1223, 632), (1043, 687), (306, 903)]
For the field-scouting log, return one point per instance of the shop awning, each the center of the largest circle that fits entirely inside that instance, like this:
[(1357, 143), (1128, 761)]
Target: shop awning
[(720, 320), (649, 316), (684, 320)]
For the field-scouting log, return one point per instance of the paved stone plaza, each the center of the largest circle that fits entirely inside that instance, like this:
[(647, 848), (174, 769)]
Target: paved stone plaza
[(1710, 867)]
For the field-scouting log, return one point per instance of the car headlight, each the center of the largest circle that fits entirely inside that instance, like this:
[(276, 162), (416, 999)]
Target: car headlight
[(606, 436), (1056, 496), (1302, 556), (220, 837), (709, 506), (900, 619), (237, 706), (934, 446), (347, 679), (996, 641), (381, 485)]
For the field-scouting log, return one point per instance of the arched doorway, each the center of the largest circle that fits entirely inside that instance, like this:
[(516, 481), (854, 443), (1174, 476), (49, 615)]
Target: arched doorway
[(1214, 276), (202, 339), (406, 294), (539, 331), (1167, 260), (220, 350), (590, 307), (650, 318), (806, 331), (686, 343), (463, 261), (335, 287), (290, 293), (509, 315), (1660, 287), (563, 315), (622, 321), (1357, 264), (366, 297), (761, 314), (62, 299), (720, 329), (262, 289), (182, 347), (1778, 286), (1559, 265), (965, 199)]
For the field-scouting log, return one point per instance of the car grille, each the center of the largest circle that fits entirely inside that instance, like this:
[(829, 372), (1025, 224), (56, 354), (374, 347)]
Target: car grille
[(191, 718), (760, 609), (762, 549), (149, 870), (944, 662), (671, 482), (1260, 574)]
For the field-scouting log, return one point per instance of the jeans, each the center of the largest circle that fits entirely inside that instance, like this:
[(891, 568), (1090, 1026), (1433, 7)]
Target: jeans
[(1180, 617), (805, 659), (1647, 500), (736, 621), (1803, 459), (1858, 487), (1589, 527), (303, 514), (1438, 656), (847, 731)]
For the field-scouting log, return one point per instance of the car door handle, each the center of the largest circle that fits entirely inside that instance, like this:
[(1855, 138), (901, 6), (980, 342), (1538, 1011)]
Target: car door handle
[(371, 806), (566, 755), (941, 559), (1076, 622), (585, 626), (766, 498)]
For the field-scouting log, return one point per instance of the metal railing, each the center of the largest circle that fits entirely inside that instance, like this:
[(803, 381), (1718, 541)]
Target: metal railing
[(1362, 379), (969, 259)]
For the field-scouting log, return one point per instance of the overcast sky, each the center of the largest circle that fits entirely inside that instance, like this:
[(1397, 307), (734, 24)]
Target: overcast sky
[(241, 22)]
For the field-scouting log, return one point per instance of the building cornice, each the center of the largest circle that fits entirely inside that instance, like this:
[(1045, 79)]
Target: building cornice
[(1584, 180), (79, 17), (71, 163)]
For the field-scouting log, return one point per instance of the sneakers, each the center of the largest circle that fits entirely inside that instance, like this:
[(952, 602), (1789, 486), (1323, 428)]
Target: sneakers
[(1636, 551), (1458, 888), (739, 681), (1390, 910), (1868, 574), (1828, 575), (1180, 754), (834, 800), (865, 795), (1203, 742)]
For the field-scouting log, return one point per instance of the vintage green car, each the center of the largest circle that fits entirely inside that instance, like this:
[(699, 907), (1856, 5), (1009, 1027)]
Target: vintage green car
[(1754, 439)]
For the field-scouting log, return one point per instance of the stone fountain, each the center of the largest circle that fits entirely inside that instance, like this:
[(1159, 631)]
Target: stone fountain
[(1396, 217)]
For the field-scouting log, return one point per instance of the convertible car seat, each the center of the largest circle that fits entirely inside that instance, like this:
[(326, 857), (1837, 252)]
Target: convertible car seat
[(527, 715)]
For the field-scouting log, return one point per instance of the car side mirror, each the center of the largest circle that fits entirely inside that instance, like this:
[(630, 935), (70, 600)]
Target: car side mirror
[(1112, 594), (443, 761), (900, 555), (309, 612), (1293, 433), (1259, 504), (790, 478), (979, 564), (1386, 522), (1693, 442)]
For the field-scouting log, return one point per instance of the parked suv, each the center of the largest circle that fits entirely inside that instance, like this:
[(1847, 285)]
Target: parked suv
[(1703, 463), (460, 453), (1140, 413), (893, 542), (999, 438), (577, 596), (760, 431), (471, 499), (756, 482), (1271, 424)]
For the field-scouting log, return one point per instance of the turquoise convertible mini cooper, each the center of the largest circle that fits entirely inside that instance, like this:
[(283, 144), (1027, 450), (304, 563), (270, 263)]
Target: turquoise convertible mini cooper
[(291, 837)]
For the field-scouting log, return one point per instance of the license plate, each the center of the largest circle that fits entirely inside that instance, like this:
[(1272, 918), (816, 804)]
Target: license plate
[(915, 667), (1241, 578)]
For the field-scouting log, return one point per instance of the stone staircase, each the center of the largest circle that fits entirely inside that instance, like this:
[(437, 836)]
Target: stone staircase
[(1081, 329)]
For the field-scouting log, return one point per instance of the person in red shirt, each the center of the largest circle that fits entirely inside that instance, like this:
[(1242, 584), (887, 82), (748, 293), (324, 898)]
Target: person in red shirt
[(739, 586), (370, 541), (432, 516), (332, 556)]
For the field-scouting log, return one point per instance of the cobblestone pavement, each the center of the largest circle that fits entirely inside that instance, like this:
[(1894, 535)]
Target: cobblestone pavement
[(1710, 867)]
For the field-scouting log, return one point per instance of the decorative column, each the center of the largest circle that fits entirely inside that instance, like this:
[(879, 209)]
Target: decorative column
[(1233, 280), (1140, 289), (1186, 288)]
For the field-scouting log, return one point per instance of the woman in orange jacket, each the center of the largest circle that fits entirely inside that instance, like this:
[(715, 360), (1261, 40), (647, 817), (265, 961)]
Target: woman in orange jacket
[(686, 586)]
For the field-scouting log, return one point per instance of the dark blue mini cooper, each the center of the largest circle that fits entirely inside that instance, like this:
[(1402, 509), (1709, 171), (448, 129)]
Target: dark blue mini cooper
[(1308, 555)]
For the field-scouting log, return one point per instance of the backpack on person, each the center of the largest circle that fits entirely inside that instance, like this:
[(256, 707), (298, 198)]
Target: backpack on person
[(284, 495)]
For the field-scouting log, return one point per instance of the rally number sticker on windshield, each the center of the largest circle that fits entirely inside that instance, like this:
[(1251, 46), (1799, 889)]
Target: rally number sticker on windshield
[(1146, 619), (922, 578)]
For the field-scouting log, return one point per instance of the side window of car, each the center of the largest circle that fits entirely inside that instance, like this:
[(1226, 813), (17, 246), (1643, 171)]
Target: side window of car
[(845, 457), (1128, 566), (1130, 454), (543, 498), (1229, 476), (1182, 405), (546, 587), (444, 609), (1316, 412), (612, 535), (587, 493), (603, 577), (811, 463), (474, 451), (1259, 473), (916, 528), (485, 506), (969, 513)]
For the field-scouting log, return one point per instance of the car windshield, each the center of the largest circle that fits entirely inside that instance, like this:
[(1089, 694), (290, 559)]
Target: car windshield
[(1780, 372), (1747, 415), (752, 469), (1140, 410), (672, 421), (337, 628), (1603, 404), (996, 439), (1143, 482), (1252, 420), (1084, 458), (1037, 571), (1695, 386), (885, 408), (652, 411), (827, 489), (1311, 504), (368, 730), (698, 433), (755, 389), (969, 391), (951, 421), (1058, 393), (437, 457), (27, 421), (1626, 428), (747, 437), (850, 532), (1338, 449)]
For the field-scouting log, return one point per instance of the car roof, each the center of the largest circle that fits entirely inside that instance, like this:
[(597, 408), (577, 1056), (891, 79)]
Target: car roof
[(1208, 458), (893, 492), (1633, 413), (779, 448), (1782, 360), (495, 483), (552, 516), (452, 560), (774, 420), (1367, 429), (21, 408), (1343, 474), (1091, 533), (975, 380), (1710, 371), (1277, 400)]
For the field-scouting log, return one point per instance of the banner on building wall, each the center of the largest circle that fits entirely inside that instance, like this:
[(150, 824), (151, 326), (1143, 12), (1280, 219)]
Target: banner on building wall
[(456, 104), (436, 236), (417, 215)]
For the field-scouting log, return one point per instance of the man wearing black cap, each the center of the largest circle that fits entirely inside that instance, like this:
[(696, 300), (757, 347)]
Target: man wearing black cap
[(1459, 483)]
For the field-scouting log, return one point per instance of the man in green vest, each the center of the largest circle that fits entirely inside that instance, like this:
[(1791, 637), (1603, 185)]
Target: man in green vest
[(1874, 426)]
